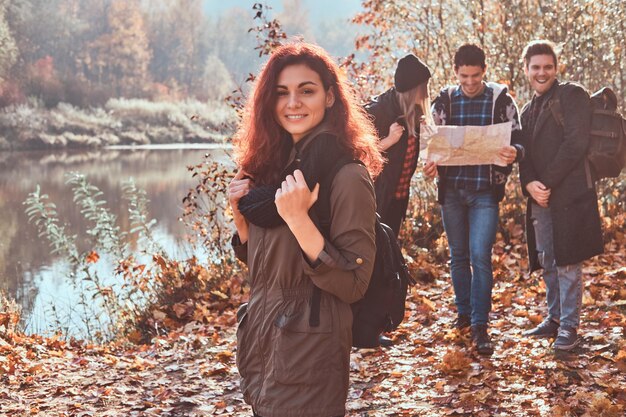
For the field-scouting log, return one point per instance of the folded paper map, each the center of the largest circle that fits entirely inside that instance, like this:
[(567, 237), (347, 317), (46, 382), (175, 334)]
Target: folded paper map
[(464, 145)]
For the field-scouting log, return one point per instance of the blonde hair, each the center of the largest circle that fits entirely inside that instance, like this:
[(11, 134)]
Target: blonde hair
[(407, 100)]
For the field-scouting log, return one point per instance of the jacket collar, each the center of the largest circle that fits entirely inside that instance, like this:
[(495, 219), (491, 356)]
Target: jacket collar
[(545, 113), (488, 92), (299, 147), (389, 102)]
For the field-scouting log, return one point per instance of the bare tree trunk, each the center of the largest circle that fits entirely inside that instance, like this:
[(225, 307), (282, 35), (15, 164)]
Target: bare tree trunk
[(622, 79)]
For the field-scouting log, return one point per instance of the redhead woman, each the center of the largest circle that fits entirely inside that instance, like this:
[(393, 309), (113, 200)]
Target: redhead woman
[(300, 120)]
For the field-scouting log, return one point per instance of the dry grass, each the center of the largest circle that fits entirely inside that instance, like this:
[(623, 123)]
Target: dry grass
[(119, 122)]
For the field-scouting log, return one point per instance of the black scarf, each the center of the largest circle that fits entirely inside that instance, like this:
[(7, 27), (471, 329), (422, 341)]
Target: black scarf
[(315, 156)]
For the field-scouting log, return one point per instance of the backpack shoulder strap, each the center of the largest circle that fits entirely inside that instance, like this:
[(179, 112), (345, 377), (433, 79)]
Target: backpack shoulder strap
[(322, 206), (450, 91), (322, 212), (556, 109), (557, 113)]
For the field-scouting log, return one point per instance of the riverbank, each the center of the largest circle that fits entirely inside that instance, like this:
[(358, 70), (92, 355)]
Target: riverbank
[(431, 370), (41, 280), (120, 122)]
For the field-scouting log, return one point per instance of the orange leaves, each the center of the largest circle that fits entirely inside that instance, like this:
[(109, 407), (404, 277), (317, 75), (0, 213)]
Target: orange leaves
[(431, 370), (603, 407), (188, 292), (92, 257), (35, 369), (455, 362), (505, 298), (620, 360), (202, 312), (134, 336), (140, 364), (9, 319), (8, 364), (159, 315), (225, 356), (183, 310), (219, 294)]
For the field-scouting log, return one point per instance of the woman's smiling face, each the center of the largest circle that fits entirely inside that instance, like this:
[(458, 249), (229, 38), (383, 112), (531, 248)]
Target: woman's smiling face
[(301, 100)]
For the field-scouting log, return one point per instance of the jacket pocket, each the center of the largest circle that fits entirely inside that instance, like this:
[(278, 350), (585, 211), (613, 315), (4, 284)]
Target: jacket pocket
[(304, 355)]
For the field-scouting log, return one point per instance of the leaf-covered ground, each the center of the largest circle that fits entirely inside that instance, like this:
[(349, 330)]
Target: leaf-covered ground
[(430, 371)]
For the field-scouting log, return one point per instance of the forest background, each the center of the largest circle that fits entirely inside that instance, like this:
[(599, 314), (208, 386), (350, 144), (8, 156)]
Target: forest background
[(95, 72), (88, 73)]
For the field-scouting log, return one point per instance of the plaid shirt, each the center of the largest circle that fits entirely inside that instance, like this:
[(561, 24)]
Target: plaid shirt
[(475, 111), (408, 167)]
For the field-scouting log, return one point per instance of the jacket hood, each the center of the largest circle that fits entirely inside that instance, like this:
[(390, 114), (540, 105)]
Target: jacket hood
[(387, 101), (498, 89)]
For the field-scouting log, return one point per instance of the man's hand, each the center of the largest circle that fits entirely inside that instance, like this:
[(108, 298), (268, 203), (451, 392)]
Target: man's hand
[(539, 192), (430, 169), (294, 199), (508, 154)]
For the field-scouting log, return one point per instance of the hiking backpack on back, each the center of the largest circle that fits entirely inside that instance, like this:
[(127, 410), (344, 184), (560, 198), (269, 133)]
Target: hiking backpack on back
[(607, 142), (382, 307)]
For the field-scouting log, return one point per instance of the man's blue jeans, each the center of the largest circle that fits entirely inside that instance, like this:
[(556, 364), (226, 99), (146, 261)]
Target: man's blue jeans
[(470, 219), (564, 284)]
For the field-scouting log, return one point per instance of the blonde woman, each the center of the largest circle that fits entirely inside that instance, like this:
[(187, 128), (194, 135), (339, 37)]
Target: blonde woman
[(397, 115)]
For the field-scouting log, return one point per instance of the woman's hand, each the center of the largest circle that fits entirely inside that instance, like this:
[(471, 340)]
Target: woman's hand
[(238, 187), (395, 133), (294, 199), (430, 169)]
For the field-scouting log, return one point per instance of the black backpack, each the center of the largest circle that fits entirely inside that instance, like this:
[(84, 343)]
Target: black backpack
[(606, 155), (382, 307)]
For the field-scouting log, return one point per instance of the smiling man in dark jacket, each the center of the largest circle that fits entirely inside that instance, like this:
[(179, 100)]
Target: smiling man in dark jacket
[(563, 224)]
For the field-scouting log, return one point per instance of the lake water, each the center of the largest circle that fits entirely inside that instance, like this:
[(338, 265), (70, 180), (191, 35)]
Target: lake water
[(38, 280)]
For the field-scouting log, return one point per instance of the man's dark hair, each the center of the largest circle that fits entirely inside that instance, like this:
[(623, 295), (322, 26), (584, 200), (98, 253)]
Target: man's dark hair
[(539, 47), (469, 54)]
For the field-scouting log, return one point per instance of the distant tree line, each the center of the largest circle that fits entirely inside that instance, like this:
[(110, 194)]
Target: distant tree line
[(86, 51)]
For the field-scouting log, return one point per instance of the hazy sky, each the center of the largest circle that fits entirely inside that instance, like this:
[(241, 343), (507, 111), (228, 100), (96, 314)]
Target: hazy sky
[(318, 9)]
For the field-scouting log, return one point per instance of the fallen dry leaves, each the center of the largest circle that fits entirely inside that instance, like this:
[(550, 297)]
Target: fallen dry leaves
[(430, 371)]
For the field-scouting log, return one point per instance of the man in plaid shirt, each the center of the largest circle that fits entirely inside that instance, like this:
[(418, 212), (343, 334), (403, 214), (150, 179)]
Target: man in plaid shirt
[(469, 194)]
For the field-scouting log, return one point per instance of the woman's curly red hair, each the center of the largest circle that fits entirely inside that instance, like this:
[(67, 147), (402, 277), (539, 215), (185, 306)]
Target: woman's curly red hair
[(261, 144)]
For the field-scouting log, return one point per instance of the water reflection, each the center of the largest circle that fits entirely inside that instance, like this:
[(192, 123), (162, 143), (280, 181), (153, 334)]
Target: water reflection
[(37, 279)]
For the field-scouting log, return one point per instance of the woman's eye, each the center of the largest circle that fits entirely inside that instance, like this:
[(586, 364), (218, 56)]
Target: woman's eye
[(307, 91), (281, 93)]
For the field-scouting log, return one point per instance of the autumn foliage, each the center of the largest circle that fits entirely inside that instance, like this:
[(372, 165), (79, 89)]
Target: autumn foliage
[(174, 334)]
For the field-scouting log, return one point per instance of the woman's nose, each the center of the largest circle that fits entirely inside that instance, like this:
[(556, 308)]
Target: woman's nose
[(293, 101)]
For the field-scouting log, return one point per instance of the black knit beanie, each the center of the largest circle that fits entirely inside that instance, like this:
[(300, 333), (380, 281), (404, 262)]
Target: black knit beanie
[(410, 73)]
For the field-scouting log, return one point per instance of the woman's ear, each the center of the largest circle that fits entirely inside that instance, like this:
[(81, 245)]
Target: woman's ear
[(330, 97)]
